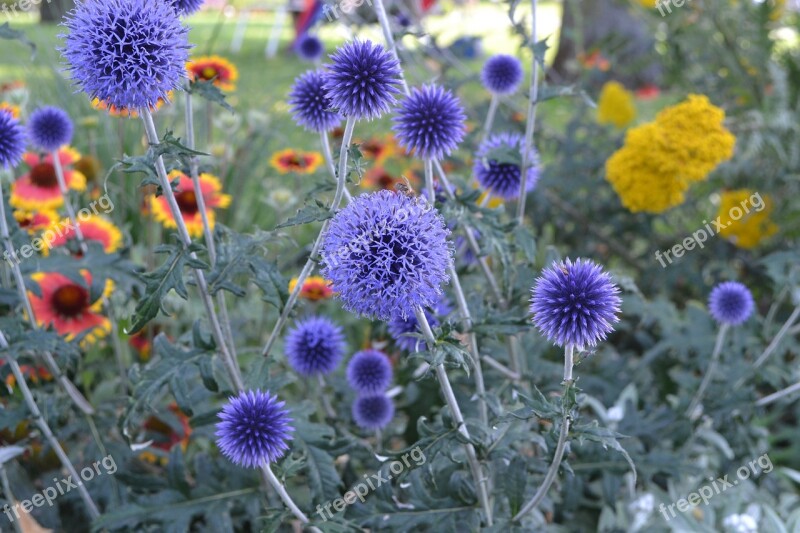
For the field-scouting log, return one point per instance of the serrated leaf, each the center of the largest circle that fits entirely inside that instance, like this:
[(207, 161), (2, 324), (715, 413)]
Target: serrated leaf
[(208, 91), (306, 214)]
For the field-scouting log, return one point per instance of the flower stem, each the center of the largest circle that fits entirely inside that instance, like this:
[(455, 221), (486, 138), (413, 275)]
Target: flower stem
[(328, 154), (560, 445), (776, 341), (531, 121), (281, 490), (380, 11), (487, 126), (45, 428), (429, 189), (450, 397), (712, 366), (8, 494), (766, 400), (314, 256)]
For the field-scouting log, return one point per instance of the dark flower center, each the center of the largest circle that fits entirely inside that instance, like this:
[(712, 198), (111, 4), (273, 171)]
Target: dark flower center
[(26, 222), (44, 175), (187, 201), (70, 300)]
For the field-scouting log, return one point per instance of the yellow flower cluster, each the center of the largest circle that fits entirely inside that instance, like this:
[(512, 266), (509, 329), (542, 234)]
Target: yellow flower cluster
[(661, 159), (746, 223), (615, 105)]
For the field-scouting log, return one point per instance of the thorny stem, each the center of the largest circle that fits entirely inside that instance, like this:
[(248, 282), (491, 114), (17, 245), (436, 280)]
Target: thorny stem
[(45, 429), (712, 366), (481, 482), (560, 445), (531, 121)]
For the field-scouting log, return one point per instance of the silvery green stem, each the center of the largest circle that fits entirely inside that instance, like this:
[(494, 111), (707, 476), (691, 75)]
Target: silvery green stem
[(71, 390), (776, 341), (380, 11), (429, 190), (326, 403), (62, 186), (447, 390), (510, 374), (712, 366), (766, 400), (487, 126), (41, 423), (341, 178), (560, 445), (328, 154), (287, 499), (9, 494), (216, 329), (529, 126)]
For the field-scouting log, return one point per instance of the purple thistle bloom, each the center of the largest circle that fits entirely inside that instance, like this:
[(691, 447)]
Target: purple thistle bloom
[(309, 47), (430, 121), (186, 7), (503, 179), (387, 254), (311, 108), (315, 346), (12, 140), (730, 303), (50, 128), (399, 327), (362, 80), (502, 74), (253, 429), (369, 372), (575, 303), (126, 53), (373, 412)]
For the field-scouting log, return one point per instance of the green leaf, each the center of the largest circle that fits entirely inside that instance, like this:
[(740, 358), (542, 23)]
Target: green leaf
[(207, 90), (306, 214), (608, 438), (6, 32)]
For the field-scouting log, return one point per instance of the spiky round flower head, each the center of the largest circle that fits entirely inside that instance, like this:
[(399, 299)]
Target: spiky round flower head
[(497, 165), (575, 303), (12, 140), (50, 128), (373, 412), (430, 121), (369, 372), (399, 328), (730, 303), (315, 346), (362, 80), (185, 8), (309, 47), (126, 53), (253, 429), (311, 107), (502, 74), (386, 253)]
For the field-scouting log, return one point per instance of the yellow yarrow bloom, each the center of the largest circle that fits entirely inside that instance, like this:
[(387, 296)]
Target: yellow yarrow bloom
[(615, 105), (745, 217)]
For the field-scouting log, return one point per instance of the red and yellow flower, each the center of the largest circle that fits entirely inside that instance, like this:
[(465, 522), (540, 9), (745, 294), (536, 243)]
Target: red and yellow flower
[(94, 229), (35, 221), (315, 288), (378, 178), (32, 374), (5, 107), (124, 112), (186, 196), (67, 307), (165, 432), (379, 150), (594, 60), (296, 162), (38, 188), (207, 68)]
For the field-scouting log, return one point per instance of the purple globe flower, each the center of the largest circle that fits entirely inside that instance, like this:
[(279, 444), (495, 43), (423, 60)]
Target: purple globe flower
[(126, 53), (387, 254), (430, 121), (315, 346), (373, 412), (311, 108), (369, 372), (186, 7), (730, 303), (50, 128), (362, 80), (399, 327), (575, 303), (253, 429), (497, 165), (502, 74), (12, 140), (309, 47)]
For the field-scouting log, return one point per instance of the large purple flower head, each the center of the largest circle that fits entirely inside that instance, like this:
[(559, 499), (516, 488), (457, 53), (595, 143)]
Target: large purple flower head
[(430, 121), (12, 140), (127, 53), (50, 128), (373, 412), (575, 303), (311, 108), (309, 47), (362, 80), (186, 7), (400, 327), (497, 165), (253, 429), (369, 372), (386, 254), (315, 346), (730, 303), (502, 74)]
